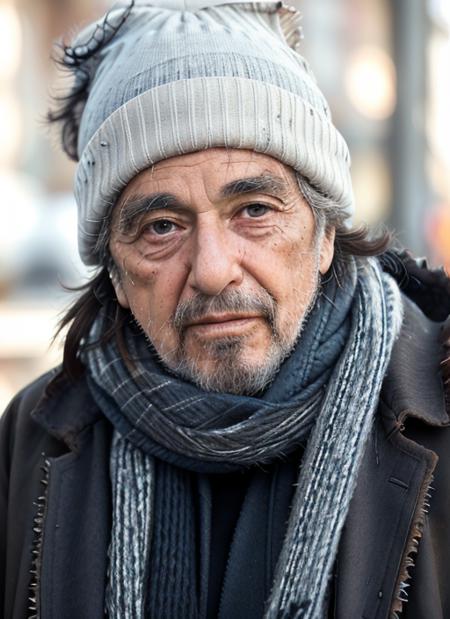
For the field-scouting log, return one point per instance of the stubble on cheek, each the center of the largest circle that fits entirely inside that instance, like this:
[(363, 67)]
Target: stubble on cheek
[(302, 286), (136, 278)]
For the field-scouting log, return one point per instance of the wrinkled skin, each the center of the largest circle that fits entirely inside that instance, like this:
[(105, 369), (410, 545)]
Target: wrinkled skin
[(248, 252)]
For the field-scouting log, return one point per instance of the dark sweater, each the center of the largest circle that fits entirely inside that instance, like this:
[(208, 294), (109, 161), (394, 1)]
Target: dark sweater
[(249, 514)]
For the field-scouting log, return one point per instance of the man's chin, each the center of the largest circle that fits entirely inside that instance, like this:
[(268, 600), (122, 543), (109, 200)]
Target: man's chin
[(228, 369), (238, 364)]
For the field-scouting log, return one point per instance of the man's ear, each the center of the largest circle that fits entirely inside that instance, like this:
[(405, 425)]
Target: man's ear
[(121, 295), (327, 251)]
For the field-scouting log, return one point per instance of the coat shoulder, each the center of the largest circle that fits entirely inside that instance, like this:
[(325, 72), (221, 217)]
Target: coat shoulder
[(29, 396), (429, 290), (26, 400), (19, 433)]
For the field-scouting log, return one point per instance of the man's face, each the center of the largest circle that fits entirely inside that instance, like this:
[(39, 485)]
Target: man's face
[(218, 260)]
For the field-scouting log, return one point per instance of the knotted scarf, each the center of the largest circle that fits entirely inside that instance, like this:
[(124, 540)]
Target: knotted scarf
[(325, 393)]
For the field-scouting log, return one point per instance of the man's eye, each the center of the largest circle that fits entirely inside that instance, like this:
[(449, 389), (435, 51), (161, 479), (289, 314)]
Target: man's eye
[(162, 226), (256, 210)]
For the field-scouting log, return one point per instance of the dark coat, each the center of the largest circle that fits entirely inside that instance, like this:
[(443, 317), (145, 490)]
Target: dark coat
[(55, 501)]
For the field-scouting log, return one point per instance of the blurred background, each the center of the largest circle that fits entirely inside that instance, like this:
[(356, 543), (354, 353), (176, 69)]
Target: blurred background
[(384, 66)]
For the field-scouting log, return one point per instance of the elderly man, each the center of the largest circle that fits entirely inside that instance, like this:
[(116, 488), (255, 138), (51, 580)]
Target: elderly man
[(251, 406)]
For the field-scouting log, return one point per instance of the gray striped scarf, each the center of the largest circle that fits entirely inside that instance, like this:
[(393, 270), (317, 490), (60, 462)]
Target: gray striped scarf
[(339, 413)]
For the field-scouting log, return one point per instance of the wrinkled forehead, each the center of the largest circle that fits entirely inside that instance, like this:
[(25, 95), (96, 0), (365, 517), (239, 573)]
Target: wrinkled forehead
[(217, 170)]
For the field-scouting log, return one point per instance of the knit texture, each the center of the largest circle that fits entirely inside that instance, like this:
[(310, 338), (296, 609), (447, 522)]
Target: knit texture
[(327, 477), (132, 523), (172, 82)]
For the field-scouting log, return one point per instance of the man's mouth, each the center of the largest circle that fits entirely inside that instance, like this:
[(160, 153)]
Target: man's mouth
[(223, 325)]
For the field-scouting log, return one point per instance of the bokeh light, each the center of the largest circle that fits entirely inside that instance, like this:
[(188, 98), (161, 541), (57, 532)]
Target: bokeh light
[(10, 41), (370, 82), (10, 127)]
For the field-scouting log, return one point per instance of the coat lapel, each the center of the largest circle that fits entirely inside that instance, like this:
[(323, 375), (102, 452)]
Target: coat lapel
[(389, 498), (386, 514), (71, 564), (77, 530)]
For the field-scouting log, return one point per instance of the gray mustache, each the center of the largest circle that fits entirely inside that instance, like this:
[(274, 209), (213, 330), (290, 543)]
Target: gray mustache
[(231, 301)]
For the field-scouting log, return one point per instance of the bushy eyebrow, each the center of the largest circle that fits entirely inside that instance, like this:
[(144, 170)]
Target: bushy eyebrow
[(256, 184), (137, 205)]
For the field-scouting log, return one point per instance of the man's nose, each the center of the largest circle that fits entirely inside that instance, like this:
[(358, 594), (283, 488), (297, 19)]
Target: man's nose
[(216, 260)]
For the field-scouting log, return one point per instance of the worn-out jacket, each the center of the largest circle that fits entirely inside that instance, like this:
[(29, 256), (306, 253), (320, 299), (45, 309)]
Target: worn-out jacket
[(394, 554)]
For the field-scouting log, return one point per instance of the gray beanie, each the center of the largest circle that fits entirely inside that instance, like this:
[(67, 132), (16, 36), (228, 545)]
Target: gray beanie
[(186, 75)]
